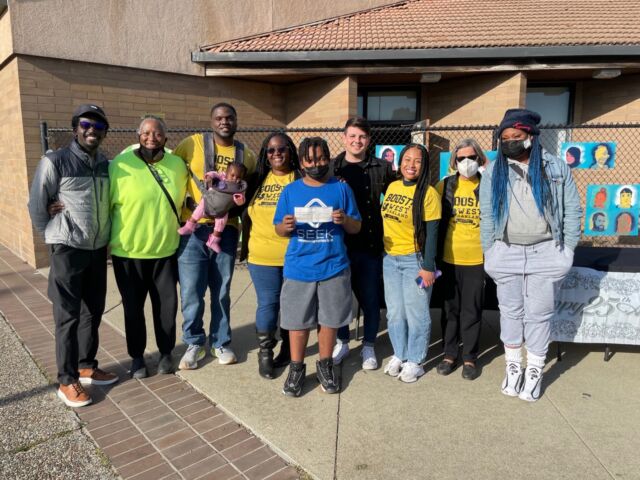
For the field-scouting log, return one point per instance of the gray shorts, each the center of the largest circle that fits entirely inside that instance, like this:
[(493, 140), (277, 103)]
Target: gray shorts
[(304, 305)]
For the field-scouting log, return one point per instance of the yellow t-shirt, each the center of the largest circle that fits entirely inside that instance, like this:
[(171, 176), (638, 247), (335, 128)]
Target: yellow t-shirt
[(266, 247), (462, 242), (191, 150), (397, 217)]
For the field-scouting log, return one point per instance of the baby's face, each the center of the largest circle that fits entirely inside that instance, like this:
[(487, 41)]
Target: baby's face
[(234, 174)]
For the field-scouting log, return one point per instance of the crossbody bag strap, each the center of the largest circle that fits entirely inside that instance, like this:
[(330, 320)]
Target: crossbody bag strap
[(156, 175)]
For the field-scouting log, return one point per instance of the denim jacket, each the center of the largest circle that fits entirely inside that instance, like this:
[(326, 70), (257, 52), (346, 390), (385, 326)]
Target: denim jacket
[(563, 215)]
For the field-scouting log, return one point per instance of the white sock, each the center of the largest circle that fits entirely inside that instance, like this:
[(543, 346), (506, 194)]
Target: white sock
[(513, 355), (535, 360)]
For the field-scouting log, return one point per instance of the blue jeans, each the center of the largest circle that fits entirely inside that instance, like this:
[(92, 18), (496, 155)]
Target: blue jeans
[(200, 267), (268, 283), (408, 317), (365, 283)]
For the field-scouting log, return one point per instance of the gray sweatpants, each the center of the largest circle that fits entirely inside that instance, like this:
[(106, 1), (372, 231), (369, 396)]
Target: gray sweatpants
[(527, 279)]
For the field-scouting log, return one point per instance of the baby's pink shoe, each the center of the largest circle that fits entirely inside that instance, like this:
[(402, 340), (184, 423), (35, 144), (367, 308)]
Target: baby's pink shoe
[(214, 243), (188, 228)]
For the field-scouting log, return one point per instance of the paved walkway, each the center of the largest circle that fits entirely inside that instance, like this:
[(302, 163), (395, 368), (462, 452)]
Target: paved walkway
[(157, 428)]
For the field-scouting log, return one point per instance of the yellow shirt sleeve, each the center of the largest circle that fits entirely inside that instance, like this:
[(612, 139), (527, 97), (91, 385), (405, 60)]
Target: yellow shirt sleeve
[(432, 209)]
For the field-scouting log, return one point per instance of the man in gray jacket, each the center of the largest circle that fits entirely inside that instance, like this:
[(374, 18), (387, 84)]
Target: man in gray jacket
[(69, 204)]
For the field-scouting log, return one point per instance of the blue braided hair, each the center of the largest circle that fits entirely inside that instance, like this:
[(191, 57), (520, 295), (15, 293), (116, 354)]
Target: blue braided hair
[(537, 179)]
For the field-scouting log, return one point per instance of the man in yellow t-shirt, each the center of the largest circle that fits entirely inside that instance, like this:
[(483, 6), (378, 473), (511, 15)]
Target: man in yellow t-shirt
[(198, 266)]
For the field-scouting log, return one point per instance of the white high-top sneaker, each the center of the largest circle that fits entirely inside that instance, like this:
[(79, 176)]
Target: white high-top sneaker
[(513, 379), (532, 378), (512, 383)]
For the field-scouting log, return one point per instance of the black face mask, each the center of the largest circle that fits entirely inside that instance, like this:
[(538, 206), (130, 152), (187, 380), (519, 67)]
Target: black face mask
[(513, 148), (151, 153), (317, 172)]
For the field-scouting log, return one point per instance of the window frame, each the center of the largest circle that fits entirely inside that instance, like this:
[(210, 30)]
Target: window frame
[(363, 91)]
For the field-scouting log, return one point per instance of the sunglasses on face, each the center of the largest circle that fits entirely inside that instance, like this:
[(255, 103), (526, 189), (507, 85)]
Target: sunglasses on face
[(470, 157), (280, 150), (99, 126)]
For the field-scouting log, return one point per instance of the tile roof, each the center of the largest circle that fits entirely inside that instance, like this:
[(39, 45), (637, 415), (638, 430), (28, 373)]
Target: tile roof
[(421, 24)]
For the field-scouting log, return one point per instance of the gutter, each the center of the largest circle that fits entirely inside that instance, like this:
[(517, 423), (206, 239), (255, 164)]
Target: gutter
[(476, 53)]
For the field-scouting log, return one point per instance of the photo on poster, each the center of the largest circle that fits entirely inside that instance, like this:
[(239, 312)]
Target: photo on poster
[(446, 156), (612, 210), (593, 155), (390, 153)]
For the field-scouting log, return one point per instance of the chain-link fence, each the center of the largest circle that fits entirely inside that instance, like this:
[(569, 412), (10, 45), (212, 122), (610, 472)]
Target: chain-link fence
[(626, 138)]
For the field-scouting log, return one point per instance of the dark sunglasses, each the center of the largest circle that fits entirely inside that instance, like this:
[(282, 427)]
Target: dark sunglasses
[(470, 157), (99, 126), (280, 150)]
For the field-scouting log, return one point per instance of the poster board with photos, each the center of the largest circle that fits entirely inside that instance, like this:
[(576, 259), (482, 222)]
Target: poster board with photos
[(612, 210), (591, 155), (390, 153)]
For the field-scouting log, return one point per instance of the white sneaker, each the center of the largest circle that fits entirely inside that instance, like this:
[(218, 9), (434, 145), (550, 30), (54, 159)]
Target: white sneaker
[(191, 357), (340, 352), (225, 355), (369, 360), (532, 383), (411, 372), (393, 367), (513, 379)]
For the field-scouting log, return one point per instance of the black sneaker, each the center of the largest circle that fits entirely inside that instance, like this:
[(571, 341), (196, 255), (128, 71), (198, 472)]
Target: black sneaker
[(165, 365), (445, 367), (295, 380), (327, 376), (138, 368), (470, 371)]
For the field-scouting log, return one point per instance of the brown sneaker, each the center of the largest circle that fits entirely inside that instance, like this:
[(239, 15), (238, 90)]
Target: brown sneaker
[(95, 376), (73, 395)]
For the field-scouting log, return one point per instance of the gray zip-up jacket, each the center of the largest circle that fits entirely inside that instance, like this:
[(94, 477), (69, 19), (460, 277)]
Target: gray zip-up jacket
[(81, 183)]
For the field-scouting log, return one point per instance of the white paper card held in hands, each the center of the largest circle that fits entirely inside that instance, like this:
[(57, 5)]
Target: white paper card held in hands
[(313, 214)]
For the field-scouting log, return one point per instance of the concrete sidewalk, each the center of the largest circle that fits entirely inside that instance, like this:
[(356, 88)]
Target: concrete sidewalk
[(584, 427)]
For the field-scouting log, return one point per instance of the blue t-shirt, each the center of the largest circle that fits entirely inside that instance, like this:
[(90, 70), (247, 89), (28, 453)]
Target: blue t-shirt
[(316, 251)]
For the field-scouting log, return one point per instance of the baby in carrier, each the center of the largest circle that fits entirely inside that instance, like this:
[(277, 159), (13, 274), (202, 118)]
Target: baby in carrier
[(223, 191)]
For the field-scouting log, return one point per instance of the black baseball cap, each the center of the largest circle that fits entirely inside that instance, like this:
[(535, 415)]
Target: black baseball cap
[(89, 108)]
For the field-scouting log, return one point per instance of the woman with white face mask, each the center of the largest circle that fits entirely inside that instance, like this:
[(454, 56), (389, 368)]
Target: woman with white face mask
[(460, 259)]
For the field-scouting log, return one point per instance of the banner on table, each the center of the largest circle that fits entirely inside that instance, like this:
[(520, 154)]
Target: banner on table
[(598, 307)]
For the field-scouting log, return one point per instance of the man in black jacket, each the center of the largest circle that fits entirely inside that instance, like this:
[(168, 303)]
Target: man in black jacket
[(69, 205), (368, 177)]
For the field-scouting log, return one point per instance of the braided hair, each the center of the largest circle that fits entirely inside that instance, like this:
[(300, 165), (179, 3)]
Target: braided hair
[(313, 143), (263, 168), (422, 185), (536, 178)]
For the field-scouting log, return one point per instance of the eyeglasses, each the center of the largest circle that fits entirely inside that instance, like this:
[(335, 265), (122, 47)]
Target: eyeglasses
[(280, 150), (470, 157), (99, 126)]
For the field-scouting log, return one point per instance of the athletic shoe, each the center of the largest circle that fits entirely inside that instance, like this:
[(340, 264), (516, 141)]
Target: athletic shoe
[(138, 368), (369, 360), (340, 352), (73, 395), (532, 383), (225, 355), (191, 357), (165, 365), (411, 372), (95, 376), (513, 379), (393, 367), (327, 376), (295, 379)]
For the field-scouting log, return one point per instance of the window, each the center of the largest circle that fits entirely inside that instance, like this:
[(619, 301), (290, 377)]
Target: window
[(392, 106), (554, 104)]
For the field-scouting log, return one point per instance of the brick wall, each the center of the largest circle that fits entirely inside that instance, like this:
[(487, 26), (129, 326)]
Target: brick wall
[(615, 100), (15, 226), (476, 100), (50, 90), (326, 102)]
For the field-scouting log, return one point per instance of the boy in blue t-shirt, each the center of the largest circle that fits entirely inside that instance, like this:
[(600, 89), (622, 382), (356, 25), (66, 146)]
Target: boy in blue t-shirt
[(315, 212)]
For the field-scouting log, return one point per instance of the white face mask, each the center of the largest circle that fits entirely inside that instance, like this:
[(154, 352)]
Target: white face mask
[(467, 167)]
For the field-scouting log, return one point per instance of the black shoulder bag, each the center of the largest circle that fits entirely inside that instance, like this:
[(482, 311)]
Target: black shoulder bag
[(164, 190)]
